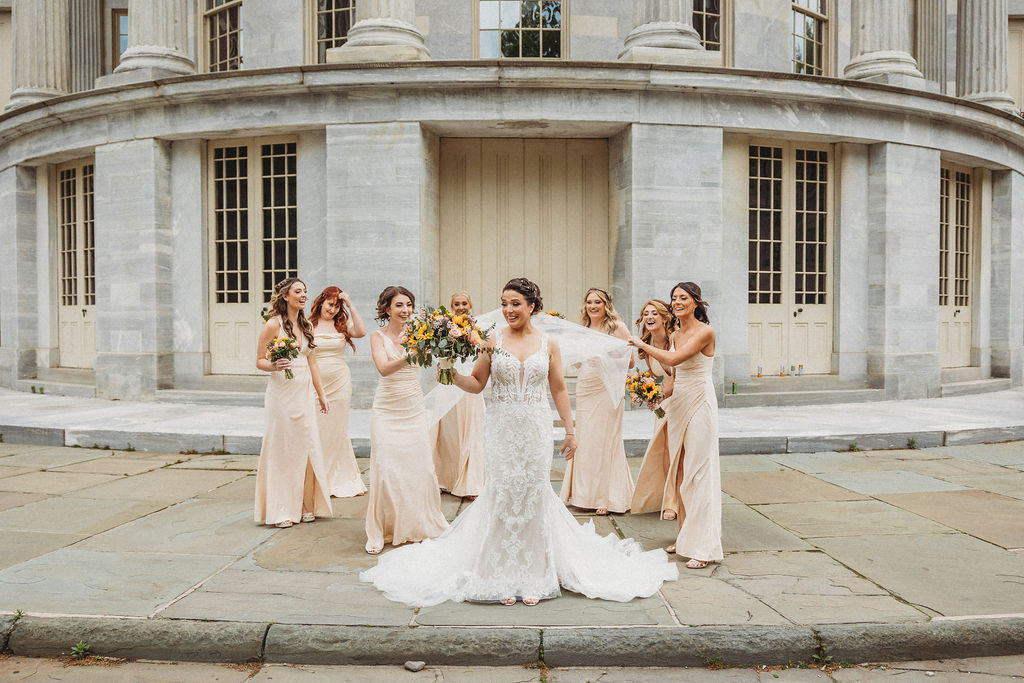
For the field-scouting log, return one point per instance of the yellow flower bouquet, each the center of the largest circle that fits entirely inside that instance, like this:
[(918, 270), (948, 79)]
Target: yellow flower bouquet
[(644, 389), (439, 334), (283, 347)]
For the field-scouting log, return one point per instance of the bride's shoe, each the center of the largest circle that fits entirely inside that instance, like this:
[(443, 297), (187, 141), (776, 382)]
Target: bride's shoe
[(601, 511), (671, 550), (696, 564), (373, 551), (509, 601), (530, 602)]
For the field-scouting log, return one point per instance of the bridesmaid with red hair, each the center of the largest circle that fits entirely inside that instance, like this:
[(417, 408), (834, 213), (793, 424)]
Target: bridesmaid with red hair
[(336, 322)]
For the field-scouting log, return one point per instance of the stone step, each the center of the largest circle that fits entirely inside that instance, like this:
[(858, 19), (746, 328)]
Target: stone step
[(955, 375), (803, 398), (221, 398), (56, 388), (980, 386), (792, 383)]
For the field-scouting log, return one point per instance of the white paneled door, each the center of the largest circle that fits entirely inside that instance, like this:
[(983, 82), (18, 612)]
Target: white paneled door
[(253, 241), (76, 258), (524, 207), (789, 286), (956, 253)]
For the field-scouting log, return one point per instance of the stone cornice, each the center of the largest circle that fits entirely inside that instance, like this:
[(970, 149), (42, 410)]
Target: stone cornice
[(717, 85)]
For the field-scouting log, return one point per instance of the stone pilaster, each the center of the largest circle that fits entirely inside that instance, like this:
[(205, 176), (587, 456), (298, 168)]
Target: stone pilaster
[(86, 43), (134, 260), (189, 288), (41, 61), (19, 309), (157, 43), (1007, 268), (882, 38), (668, 180), (903, 271), (931, 42), (662, 33), (981, 53), (385, 31), (850, 285)]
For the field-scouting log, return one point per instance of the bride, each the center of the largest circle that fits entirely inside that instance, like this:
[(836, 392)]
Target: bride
[(517, 541)]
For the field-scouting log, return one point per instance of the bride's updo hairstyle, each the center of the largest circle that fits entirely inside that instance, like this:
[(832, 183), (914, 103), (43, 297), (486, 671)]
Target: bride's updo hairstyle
[(529, 290), (385, 299)]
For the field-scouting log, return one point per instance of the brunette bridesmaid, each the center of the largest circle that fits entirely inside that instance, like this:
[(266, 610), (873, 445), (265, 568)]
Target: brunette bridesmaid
[(458, 451), (597, 477), (693, 428), (291, 479), (336, 322), (653, 489), (404, 502)]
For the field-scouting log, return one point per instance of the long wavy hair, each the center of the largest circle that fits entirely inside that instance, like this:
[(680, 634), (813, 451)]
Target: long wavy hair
[(340, 318), (670, 323), (611, 316), (693, 289), (278, 306), (385, 299)]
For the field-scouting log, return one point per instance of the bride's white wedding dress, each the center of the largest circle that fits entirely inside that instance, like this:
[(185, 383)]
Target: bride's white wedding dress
[(517, 539)]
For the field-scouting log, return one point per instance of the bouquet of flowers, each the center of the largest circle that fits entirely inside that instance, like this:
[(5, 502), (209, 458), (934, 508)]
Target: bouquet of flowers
[(644, 388), (283, 347), (448, 337)]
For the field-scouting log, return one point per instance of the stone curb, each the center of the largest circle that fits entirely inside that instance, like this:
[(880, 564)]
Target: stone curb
[(855, 643), (395, 645), (162, 639), (229, 642), (732, 645)]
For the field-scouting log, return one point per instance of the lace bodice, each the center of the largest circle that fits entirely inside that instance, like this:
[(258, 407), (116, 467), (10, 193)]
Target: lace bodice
[(513, 381)]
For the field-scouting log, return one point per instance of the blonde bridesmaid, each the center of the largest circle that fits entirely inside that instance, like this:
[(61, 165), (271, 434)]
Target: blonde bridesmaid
[(693, 428), (404, 502), (336, 322), (458, 450), (653, 491), (597, 477), (291, 479)]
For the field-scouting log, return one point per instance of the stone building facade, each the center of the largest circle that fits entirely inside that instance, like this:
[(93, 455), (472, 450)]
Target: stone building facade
[(844, 178)]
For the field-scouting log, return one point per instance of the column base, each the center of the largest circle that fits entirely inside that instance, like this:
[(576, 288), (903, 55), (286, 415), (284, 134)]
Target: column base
[(376, 53), (116, 80), (999, 100), (892, 67), (155, 57), (670, 55), (23, 97)]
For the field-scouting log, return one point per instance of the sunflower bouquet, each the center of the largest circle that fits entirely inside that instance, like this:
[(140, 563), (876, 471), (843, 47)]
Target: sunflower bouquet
[(283, 347), (437, 333), (644, 389)]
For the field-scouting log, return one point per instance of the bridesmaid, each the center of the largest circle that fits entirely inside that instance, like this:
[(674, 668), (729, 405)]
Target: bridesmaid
[(404, 502), (291, 479), (334, 327), (458, 451), (657, 324), (597, 477), (693, 428)]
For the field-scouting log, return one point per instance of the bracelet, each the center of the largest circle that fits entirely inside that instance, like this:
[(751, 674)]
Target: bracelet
[(570, 433)]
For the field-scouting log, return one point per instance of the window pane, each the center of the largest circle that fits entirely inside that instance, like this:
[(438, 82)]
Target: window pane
[(531, 14), (531, 44), (490, 44), (489, 14), (509, 14), (552, 14), (509, 43), (552, 45)]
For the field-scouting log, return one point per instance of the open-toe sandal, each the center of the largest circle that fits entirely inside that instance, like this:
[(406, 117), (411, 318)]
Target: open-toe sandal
[(509, 601), (696, 564), (601, 511), (373, 551), (285, 524), (668, 515), (308, 517), (530, 602), (670, 550)]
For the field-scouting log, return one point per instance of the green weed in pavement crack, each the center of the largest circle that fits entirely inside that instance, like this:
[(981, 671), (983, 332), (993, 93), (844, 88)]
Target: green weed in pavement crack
[(80, 650)]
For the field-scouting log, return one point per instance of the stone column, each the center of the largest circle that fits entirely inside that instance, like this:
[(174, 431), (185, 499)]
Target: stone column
[(385, 31), (86, 44), (1007, 281), (981, 53), (882, 37), (382, 220), (668, 180), (134, 262), (931, 41), (19, 307), (41, 61), (157, 43), (662, 33), (903, 270)]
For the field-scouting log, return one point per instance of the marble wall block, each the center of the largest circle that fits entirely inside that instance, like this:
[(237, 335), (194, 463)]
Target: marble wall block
[(18, 327), (1007, 276), (274, 33), (764, 28), (134, 262), (903, 271), (731, 317), (190, 258), (449, 32), (311, 151), (850, 281)]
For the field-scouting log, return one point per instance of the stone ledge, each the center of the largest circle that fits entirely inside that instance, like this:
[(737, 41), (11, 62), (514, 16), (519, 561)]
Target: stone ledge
[(168, 639), (394, 645), (33, 436), (984, 435), (983, 637), (680, 646)]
